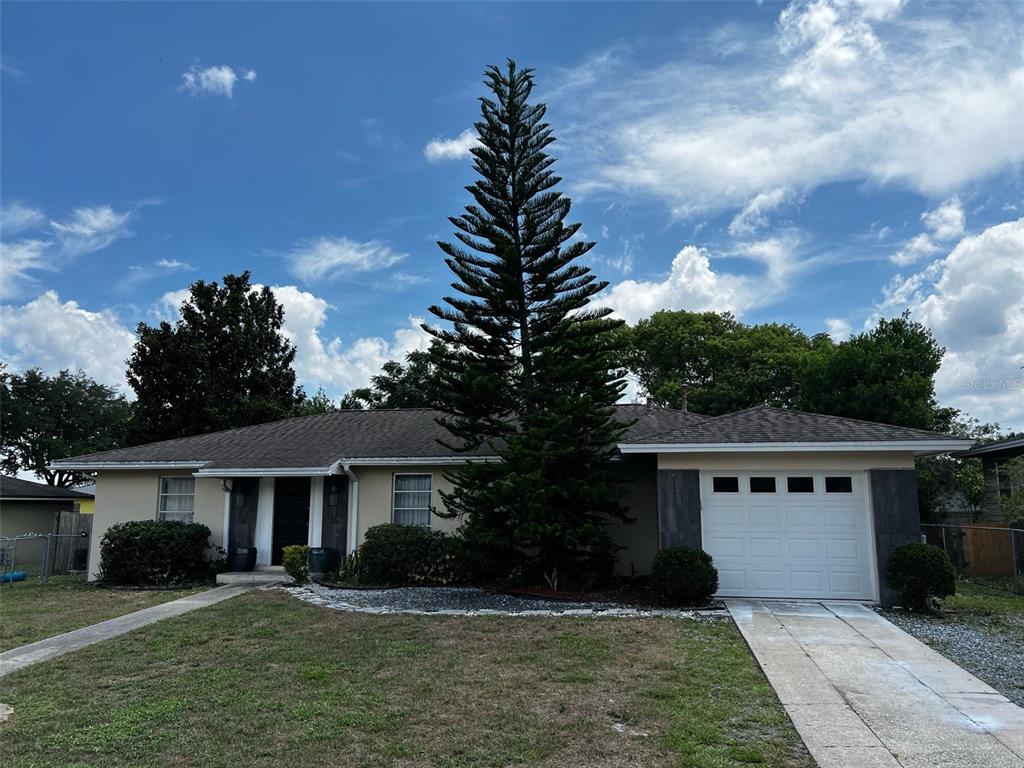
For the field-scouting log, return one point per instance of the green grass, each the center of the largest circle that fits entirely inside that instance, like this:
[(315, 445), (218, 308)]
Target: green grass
[(265, 680), (31, 611), (977, 597)]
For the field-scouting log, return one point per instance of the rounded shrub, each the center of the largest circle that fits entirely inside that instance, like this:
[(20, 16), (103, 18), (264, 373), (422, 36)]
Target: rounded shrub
[(919, 572), (157, 553), (395, 554), (295, 560), (684, 576)]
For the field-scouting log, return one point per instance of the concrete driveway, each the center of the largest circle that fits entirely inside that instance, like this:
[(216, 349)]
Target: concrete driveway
[(864, 694)]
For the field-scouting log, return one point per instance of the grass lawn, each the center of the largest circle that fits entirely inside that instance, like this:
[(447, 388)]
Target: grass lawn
[(977, 604), (266, 680), (31, 611)]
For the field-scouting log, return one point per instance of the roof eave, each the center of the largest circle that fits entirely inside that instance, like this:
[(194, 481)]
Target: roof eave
[(918, 447)]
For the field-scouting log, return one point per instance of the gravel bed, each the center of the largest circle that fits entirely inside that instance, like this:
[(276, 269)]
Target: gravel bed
[(985, 648), (471, 601)]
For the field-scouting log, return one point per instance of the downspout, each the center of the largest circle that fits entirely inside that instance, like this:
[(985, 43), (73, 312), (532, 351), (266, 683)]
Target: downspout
[(353, 517)]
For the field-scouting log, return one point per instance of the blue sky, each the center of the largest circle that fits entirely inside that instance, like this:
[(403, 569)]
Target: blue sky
[(821, 164)]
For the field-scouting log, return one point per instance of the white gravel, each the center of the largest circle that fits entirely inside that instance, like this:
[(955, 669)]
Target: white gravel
[(471, 601), (985, 649)]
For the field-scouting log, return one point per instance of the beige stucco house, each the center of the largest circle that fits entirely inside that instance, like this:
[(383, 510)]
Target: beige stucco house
[(788, 504)]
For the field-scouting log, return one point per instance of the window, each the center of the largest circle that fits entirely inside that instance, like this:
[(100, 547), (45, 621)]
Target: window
[(177, 498), (838, 485), (725, 484), (762, 485), (800, 484), (411, 504)]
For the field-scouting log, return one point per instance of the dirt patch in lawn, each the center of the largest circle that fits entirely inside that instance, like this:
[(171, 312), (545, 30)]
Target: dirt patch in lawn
[(265, 680)]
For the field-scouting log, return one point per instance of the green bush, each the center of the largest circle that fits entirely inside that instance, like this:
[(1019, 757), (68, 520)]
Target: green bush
[(295, 559), (405, 554), (919, 572), (157, 553), (684, 576)]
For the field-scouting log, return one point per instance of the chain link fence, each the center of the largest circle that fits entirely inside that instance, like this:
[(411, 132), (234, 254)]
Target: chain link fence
[(41, 555), (980, 550)]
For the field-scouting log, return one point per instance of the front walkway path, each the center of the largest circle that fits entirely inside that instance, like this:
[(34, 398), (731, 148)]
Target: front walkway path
[(864, 694), (58, 645)]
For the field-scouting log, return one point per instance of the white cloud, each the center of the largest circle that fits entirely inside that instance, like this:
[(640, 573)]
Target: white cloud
[(327, 258), (450, 149), (946, 221), (919, 247), (174, 264), (847, 92), (16, 217), (838, 328), (16, 261), (755, 214), (54, 335), (90, 229), (694, 285), (216, 81), (329, 362), (973, 300)]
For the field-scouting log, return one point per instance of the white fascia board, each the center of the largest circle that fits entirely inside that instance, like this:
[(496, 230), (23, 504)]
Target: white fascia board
[(331, 469), (94, 466), (378, 461), (914, 446)]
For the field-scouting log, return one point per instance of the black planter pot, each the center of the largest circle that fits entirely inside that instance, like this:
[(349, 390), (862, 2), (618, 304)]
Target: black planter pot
[(242, 559)]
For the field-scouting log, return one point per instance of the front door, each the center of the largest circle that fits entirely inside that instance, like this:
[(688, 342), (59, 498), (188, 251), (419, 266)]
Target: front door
[(291, 514)]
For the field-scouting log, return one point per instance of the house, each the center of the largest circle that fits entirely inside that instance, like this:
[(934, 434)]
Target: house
[(28, 507), (789, 504)]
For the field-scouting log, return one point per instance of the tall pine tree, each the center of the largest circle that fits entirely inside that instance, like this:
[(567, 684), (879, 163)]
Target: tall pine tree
[(529, 368)]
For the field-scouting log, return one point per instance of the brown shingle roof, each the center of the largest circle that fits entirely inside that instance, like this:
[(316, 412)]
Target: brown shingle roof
[(13, 488), (764, 424)]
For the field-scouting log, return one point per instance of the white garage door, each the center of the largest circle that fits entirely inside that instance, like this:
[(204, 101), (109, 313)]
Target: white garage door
[(788, 534)]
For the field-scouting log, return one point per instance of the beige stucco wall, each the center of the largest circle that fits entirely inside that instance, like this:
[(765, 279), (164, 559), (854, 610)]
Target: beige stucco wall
[(376, 485), (782, 461), (123, 495), (18, 517)]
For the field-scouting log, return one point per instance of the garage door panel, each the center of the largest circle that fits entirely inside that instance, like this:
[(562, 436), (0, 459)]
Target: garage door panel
[(812, 545)]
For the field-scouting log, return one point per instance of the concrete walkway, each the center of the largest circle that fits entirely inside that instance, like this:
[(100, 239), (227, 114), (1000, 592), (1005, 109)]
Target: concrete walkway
[(58, 645), (864, 694)]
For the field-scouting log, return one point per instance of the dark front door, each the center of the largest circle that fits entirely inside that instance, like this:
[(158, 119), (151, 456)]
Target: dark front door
[(291, 514)]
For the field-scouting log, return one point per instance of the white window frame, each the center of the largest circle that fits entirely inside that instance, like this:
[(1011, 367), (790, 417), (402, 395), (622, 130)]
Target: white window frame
[(394, 490), (160, 495)]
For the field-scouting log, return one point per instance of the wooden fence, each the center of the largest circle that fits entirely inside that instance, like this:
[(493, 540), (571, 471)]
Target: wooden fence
[(74, 532)]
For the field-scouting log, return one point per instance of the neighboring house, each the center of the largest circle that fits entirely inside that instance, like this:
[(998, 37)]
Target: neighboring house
[(992, 455), (27, 507), (789, 504), (87, 504)]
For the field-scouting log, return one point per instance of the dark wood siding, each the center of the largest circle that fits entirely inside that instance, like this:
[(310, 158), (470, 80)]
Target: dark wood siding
[(896, 518), (245, 493), (335, 520), (679, 507)]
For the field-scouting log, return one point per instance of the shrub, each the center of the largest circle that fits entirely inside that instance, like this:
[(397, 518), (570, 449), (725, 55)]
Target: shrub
[(295, 559), (406, 554), (919, 572), (684, 576), (157, 553)]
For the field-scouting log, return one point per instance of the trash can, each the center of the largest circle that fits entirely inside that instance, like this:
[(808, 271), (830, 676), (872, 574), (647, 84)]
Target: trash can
[(242, 559), (322, 561)]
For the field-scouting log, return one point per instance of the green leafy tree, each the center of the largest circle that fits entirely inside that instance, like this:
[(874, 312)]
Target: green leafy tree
[(223, 364), (715, 363), (528, 365), (318, 403), (948, 484), (53, 417), (886, 374), (412, 385)]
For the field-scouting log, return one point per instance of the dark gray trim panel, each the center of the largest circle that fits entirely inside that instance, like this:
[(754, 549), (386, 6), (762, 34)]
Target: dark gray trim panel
[(896, 518), (679, 507)]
